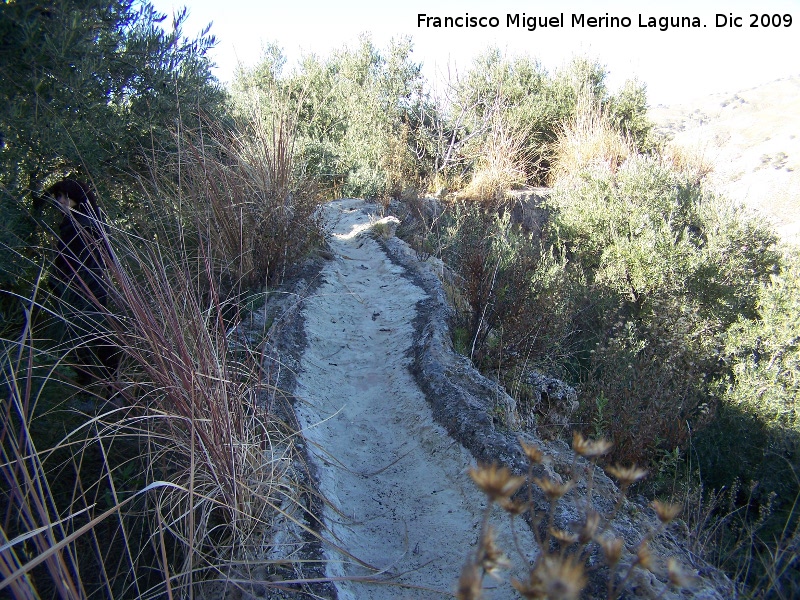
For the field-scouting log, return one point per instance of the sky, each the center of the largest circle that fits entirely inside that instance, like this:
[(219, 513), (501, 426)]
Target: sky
[(677, 64)]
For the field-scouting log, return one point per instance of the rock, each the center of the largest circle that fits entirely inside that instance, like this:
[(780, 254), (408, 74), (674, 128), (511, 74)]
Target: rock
[(550, 404), (386, 227)]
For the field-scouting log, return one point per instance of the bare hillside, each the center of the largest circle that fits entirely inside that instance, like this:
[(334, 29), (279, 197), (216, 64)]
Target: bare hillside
[(752, 140)]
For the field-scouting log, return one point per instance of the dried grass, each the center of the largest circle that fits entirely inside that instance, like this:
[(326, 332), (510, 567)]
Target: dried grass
[(588, 140), (214, 470), (561, 567), (184, 472), (245, 194), (502, 163)]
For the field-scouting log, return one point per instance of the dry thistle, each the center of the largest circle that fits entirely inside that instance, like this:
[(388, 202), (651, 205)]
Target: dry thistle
[(589, 527), (492, 559), (469, 584), (589, 448), (626, 475), (534, 454), (563, 537), (644, 558), (514, 507), (560, 577), (666, 511), (531, 589), (677, 577), (612, 550), (497, 483), (551, 488)]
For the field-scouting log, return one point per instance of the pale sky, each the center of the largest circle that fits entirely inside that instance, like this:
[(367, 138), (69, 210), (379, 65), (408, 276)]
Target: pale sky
[(677, 64)]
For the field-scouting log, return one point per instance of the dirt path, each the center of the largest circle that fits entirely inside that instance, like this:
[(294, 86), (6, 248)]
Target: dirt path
[(401, 499)]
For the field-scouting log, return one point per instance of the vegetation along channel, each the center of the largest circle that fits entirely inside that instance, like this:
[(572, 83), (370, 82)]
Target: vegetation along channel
[(335, 330)]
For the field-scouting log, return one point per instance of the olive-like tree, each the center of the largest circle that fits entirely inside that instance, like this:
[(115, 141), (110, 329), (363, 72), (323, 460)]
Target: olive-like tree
[(93, 86)]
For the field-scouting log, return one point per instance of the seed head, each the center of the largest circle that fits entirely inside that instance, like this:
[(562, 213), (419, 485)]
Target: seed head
[(551, 488), (560, 577), (590, 448), (589, 527), (644, 558), (531, 589), (469, 584), (626, 475), (514, 507), (612, 550), (563, 537), (666, 512), (492, 558), (676, 575), (534, 454), (497, 483)]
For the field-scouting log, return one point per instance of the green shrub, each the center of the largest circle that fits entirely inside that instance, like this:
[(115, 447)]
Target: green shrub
[(92, 87), (518, 297), (357, 119), (491, 258), (521, 96), (668, 272), (758, 426), (764, 353)]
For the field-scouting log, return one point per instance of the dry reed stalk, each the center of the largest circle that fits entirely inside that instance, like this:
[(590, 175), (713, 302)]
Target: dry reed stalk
[(502, 163), (588, 140)]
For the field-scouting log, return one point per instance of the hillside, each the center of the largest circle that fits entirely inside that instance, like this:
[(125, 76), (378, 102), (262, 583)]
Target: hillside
[(752, 140), (393, 419)]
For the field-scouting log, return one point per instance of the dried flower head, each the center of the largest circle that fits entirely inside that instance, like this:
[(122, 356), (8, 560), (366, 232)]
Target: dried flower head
[(666, 511), (644, 558), (496, 482), (612, 550), (514, 507), (676, 574), (560, 576), (492, 559), (626, 475), (590, 448), (531, 589), (563, 537), (469, 584), (551, 488), (589, 527), (534, 454)]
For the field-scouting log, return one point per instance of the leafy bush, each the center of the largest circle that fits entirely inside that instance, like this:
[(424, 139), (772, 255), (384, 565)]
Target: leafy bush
[(186, 465), (491, 257), (670, 273), (358, 114), (91, 87), (759, 428), (519, 96), (764, 354), (629, 297)]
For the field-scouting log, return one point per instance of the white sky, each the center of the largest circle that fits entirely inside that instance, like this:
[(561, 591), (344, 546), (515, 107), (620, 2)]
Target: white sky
[(676, 65)]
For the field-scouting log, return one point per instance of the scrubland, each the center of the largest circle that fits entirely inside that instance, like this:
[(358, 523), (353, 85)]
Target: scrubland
[(671, 310)]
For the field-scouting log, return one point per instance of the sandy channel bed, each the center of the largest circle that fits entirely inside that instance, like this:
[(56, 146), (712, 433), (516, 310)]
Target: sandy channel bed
[(401, 499)]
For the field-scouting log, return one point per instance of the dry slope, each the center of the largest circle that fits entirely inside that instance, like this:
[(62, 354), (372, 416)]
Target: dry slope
[(752, 141)]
